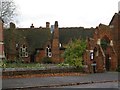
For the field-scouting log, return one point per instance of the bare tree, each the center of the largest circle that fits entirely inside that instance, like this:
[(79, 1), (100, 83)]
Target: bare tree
[(7, 11)]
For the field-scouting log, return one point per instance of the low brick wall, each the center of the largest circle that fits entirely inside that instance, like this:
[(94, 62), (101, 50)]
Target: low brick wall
[(45, 71)]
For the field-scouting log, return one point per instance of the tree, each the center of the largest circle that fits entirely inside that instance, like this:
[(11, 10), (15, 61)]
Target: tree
[(7, 11), (73, 53)]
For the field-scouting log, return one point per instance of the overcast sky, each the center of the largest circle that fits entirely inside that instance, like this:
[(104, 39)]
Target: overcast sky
[(68, 13)]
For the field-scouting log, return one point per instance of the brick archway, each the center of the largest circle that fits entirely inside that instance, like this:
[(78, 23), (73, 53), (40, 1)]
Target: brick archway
[(105, 42)]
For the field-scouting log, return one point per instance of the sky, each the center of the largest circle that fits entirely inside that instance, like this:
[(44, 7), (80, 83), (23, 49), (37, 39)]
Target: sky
[(68, 13)]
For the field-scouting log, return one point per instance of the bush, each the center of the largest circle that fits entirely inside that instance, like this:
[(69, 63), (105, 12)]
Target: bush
[(46, 60), (74, 52)]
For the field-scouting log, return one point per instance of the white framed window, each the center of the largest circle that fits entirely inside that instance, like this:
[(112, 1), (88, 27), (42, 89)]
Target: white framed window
[(91, 55), (23, 51), (48, 51)]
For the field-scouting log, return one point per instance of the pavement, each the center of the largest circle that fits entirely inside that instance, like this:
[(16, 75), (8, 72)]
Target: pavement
[(42, 82)]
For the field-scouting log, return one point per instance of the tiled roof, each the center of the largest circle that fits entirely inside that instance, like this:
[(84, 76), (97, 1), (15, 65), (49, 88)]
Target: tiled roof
[(39, 37), (66, 34), (34, 38)]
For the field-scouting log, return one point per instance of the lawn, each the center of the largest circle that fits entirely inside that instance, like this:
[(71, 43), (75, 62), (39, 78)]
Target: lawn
[(20, 65)]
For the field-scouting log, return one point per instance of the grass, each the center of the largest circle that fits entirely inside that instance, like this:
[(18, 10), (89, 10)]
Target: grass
[(21, 65), (5, 64)]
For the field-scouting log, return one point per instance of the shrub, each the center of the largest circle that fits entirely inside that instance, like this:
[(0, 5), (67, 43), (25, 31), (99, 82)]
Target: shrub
[(74, 52), (46, 60)]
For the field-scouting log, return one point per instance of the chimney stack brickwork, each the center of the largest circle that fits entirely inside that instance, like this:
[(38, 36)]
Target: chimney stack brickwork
[(55, 45)]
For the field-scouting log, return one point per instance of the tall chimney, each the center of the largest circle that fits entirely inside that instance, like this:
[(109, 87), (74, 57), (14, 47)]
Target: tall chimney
[(56, 24), (55, 44)]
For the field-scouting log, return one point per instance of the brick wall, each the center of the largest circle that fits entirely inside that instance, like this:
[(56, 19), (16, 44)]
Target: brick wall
[(61, 58), (39, 56), (115, 22)]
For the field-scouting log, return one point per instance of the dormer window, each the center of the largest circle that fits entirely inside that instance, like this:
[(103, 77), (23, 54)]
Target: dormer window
[(23, 51)]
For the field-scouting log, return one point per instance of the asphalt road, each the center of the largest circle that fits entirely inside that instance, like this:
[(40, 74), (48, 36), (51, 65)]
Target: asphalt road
[(60, 81), (94, 85)]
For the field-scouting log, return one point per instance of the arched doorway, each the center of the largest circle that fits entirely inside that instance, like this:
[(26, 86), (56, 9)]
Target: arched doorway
[(105, 43)]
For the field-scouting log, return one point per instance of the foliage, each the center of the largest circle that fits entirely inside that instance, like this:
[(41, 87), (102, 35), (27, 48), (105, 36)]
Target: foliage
[(7, 10), (63, 64), (2, 64), (8, 64), (118, 69), (46, 60), (104, 43), (73, 53)]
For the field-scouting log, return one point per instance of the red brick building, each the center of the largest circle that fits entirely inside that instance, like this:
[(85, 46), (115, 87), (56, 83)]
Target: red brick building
[(102, 53), (115, 26), (33, 44)]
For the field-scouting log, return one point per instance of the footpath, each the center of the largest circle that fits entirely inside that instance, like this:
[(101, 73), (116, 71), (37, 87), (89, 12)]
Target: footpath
[(46, 82)]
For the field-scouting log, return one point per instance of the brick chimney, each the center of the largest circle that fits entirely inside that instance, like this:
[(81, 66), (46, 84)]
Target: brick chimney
[(12, 25), (47, 25), (55, 44), (2, 56), (32, 26)]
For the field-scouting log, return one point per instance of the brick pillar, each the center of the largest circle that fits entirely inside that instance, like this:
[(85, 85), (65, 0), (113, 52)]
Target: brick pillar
[(2, 56), (55, 44)]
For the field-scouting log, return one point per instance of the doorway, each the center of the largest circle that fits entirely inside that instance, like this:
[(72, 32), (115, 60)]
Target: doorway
[(107, 62), (105, 42)]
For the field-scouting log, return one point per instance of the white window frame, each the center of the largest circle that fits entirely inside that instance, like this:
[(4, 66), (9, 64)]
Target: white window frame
[(23, 51), (91, 55), (48, 54)]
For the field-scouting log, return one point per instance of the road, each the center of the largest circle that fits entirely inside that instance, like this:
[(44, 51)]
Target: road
[(94, 85), (59, 81)]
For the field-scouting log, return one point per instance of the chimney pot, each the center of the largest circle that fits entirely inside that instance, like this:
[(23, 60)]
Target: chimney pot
[(56, 24), (12, 25), (47, 25)]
